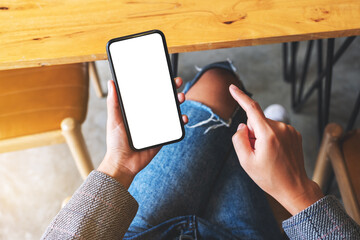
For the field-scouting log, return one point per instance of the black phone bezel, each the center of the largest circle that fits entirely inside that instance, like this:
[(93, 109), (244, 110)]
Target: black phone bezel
[(118, 91)]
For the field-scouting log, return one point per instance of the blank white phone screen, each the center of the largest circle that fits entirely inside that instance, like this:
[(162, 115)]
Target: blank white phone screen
[(146, 91)]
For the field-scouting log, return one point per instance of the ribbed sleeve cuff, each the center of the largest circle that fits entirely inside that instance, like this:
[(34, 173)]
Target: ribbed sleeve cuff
[(325, 219), (100, 209)]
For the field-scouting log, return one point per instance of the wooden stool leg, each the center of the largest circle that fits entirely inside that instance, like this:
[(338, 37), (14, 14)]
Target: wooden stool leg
[(94, 76), (71, 130), (345, 182), (323, 168)]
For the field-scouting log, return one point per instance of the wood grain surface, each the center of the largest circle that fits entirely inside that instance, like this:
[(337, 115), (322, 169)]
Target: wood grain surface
[(46, 32)]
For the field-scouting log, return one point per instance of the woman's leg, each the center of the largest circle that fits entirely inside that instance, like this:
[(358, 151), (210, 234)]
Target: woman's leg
[(239, 205), (178, 181), (212, 89), (236, 203), (191, 178)]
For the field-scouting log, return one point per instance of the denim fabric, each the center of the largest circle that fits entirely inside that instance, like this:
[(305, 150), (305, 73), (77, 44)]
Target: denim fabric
[(196, 188)]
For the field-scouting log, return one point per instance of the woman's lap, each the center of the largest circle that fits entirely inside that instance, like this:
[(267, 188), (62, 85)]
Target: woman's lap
[(239, 205), (201, 176), (178, 181)]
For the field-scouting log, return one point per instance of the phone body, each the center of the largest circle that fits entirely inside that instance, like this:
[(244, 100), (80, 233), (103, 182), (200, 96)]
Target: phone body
[(146, 91)]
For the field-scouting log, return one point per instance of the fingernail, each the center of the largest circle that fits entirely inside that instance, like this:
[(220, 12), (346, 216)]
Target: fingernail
[(241, 126), (233, 87)]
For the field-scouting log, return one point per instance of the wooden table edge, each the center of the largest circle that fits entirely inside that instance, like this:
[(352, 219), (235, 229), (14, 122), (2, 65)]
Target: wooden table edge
[(186, 48)]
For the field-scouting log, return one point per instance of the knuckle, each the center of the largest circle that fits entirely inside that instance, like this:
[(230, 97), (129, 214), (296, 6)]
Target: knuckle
[(280, 127), (254, 105), (293, 130), (283, 126), (291, 127)]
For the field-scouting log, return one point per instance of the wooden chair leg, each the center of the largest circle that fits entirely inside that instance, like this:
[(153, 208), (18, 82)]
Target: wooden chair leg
[(323, 168), (94, 76), (345, 183), (71, 130)]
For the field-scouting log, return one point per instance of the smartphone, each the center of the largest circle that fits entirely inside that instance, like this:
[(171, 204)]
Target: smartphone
[(141, 69)]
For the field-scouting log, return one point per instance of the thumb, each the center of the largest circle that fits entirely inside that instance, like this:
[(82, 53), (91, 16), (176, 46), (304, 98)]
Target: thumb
[(113, 107), (242, 144)]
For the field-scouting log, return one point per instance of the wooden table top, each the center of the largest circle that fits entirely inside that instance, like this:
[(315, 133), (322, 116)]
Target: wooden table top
[(47, 32)]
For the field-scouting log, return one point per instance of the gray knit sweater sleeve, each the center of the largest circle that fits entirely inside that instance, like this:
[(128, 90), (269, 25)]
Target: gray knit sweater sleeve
[(100, 209), (325, 219)]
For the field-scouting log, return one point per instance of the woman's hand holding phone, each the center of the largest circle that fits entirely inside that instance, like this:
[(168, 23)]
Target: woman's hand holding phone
[(271, 153), (120, 161)]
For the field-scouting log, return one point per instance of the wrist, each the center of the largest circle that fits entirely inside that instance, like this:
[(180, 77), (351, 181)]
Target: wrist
[(116, 171), (302, 199)]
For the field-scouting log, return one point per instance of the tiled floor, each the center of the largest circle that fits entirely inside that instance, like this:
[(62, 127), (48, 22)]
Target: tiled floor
[(34, 182)]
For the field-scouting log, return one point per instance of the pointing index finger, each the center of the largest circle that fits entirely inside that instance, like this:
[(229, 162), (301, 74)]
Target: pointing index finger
[(253, 111)]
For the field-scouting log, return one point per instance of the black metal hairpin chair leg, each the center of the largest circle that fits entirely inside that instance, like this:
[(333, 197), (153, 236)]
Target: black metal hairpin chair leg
[(305, 69), (292, 75), (285, 61), (328, 78), (354, 114), (298, 99), (319, 78), (319, 44)]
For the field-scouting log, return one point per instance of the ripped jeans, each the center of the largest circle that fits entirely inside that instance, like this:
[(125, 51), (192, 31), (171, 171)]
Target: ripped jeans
[(196, 188)]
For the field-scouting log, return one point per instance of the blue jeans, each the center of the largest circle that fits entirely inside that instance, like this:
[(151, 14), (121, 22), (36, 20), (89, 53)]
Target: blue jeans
[(196, 188)]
